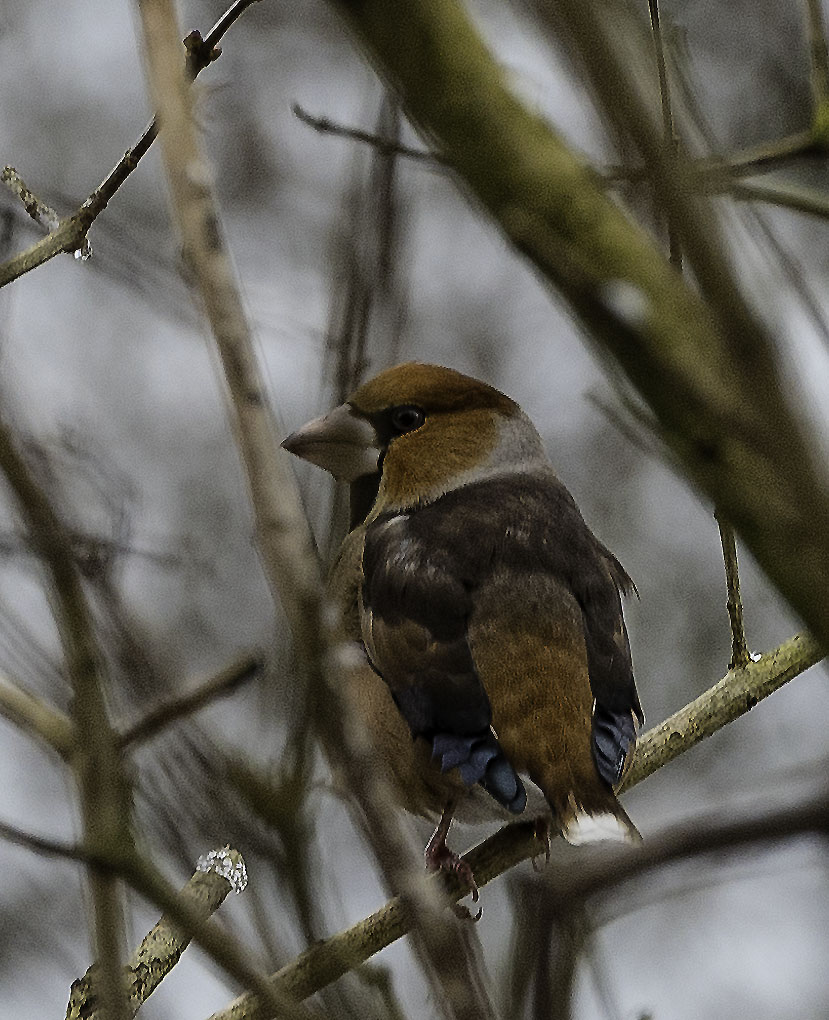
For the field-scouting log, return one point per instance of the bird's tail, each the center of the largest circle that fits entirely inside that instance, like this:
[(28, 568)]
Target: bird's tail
[(603, 818)]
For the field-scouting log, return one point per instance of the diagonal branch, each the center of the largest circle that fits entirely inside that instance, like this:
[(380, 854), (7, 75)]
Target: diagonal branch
[(703, 362), (733, 696), (70, 233), (283, 535), (37, 718), (186, 704), (216, 875)]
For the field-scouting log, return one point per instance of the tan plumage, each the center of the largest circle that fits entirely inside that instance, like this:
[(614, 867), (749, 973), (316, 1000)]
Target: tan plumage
[(490, 614)]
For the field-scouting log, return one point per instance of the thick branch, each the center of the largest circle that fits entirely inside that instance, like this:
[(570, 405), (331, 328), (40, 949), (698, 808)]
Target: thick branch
[(706, 368), (161, 949)]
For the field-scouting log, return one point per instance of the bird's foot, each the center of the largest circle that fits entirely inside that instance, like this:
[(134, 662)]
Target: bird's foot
[(439, 857), (542, 834)]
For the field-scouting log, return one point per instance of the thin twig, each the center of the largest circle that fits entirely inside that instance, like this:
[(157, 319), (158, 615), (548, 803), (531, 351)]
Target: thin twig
[(740, 655), (186, 704), (804, 200), (44, 215), (42, 844), (670, 139), (819, 61), (722, 170), (34, 716), (70, 235), (387, 146), (105, 803)]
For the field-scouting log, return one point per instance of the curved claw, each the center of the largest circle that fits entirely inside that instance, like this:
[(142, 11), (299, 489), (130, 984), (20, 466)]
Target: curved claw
[(542, 833), (439, 857), (464, 914)]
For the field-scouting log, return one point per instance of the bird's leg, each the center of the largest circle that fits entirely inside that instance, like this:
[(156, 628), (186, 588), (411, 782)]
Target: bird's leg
[(439, 857)]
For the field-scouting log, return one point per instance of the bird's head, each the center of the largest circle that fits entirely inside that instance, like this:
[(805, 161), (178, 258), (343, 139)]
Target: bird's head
[(414, 432)]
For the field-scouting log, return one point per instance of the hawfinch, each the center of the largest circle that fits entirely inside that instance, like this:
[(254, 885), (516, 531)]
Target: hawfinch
[(497, 676)]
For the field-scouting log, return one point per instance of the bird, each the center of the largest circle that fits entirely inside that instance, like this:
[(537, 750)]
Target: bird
[(496, 676)]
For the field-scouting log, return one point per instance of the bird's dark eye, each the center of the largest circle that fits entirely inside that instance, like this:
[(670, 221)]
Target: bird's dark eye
[(407, 418)]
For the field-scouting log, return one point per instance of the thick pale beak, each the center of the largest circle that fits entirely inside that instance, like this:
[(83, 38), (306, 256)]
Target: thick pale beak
[(342, 442)]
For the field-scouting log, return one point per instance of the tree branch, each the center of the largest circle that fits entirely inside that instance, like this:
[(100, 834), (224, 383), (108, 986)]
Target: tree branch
[(186, 704), (105, 804), (705, 366), (733, 696), (70, 233), (216, 874), (35, 717), (740, 655), (326, 126)]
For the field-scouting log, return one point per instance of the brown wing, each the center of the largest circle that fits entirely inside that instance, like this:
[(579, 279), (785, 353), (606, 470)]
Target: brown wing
[(415, 613), (511, 543), (532, 659)]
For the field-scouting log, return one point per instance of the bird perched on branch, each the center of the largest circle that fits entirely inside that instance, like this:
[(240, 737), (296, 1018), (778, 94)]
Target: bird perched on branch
[(497, 675)]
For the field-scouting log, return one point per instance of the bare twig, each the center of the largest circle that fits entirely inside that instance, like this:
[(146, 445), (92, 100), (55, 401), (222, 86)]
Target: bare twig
[(387, 146), (670, 138), (217, 874), (41, 844), (819, 60), (787, 196), (740, 655), (34, 716), (70, 234), (44, 215), (186, 704), (105, 805)]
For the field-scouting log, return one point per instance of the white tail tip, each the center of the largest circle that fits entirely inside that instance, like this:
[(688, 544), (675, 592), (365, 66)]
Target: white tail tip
[(596, 828)]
